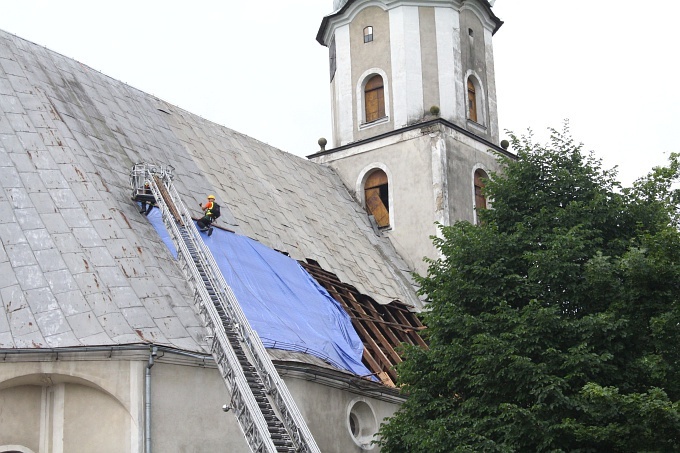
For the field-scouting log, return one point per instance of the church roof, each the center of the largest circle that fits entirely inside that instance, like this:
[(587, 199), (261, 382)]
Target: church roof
[(79, 265)]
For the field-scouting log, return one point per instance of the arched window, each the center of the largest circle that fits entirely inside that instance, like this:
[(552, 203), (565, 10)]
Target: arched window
[(377, 197), (472, 100), (368, 34), (480, 199), (374, 98)]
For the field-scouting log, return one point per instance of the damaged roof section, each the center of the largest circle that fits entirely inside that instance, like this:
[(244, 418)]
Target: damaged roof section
[(382, 328), (80, 266)]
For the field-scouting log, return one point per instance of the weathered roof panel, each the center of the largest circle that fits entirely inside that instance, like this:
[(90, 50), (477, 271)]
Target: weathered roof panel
[(80, 266)]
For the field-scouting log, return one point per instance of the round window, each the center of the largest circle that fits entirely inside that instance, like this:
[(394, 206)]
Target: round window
[(361, 423)]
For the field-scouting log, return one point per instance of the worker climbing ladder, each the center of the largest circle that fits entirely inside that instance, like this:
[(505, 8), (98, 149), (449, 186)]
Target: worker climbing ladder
[(265, 410)]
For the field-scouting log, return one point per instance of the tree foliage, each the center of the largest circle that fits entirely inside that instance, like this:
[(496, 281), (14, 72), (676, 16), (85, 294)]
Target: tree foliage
[(554, 326)]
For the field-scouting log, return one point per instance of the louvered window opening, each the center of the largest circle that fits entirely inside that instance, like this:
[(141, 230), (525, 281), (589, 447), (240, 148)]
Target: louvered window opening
[(376, 193), (480, 199), (472, 101), (374, 98)]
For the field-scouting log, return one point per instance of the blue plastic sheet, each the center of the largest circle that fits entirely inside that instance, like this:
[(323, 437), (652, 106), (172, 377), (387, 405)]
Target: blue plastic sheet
[(287, 308)]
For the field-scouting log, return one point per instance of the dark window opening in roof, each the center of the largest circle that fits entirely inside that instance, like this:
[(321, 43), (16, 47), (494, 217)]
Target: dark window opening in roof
[(374, 99), (376, 193), (368, 34), (471, 33)]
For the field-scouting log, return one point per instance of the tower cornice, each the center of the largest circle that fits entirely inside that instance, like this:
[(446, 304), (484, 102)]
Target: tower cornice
[(419, 125), (345, 14)]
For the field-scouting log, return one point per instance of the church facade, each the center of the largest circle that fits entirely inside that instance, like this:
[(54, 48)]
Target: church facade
[(101, 347)]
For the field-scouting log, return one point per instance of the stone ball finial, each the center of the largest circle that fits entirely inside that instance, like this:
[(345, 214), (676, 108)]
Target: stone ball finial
[(505, 144), (322, 143), (434, 110)]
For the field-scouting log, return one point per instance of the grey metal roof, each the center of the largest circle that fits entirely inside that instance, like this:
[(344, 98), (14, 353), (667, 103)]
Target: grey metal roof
[(80, 266)]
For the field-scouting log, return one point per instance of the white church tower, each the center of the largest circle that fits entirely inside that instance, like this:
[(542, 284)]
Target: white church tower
[(413, 101)]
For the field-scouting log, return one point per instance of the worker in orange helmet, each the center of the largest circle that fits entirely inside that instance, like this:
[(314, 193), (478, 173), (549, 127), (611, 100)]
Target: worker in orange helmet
[(147, 206), (209, 210)]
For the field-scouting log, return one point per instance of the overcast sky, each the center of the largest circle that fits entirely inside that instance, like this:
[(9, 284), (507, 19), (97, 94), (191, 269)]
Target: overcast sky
[(609, 67)]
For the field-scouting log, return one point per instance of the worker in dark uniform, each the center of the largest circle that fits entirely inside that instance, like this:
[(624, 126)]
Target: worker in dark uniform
[(207, 219), (147, 206)]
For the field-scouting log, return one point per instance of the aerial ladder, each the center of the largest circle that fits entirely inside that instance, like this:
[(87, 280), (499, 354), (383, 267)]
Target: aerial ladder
[(260, 400)]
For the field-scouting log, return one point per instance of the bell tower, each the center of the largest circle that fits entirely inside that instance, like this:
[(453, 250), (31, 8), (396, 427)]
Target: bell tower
[(413, 102)]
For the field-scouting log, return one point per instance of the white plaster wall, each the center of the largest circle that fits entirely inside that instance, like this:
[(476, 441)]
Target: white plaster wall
[(407, 82), (324, 407), (20, 416), (187, 411), (91, 421), (448, 59), (431, 170), (81, 406), (64, 417), (491, 88), (429, 57), (368, 59), (464, 156), (416, 186), (343, 88), (440, 182)]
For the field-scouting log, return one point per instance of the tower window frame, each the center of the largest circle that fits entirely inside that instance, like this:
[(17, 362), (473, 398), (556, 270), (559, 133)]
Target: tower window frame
[(475, 108), (374, 98), (480, 200), (368, 34), (472, 100), (360, 99), (377, 197)]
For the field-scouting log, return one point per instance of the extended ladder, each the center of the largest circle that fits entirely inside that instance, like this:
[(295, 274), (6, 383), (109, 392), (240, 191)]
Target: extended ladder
[(265, 410)]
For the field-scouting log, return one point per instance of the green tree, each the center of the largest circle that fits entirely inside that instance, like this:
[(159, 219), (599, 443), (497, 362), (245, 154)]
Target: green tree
[(554, 326)]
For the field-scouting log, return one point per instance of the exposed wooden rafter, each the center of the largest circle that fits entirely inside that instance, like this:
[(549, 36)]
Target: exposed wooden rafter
[(382, 328)]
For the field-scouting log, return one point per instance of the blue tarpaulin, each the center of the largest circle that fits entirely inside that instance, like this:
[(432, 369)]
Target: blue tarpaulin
[(287, 308)]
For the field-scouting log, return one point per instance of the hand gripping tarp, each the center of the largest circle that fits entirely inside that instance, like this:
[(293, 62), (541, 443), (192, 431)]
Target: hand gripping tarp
[(287, 308)]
